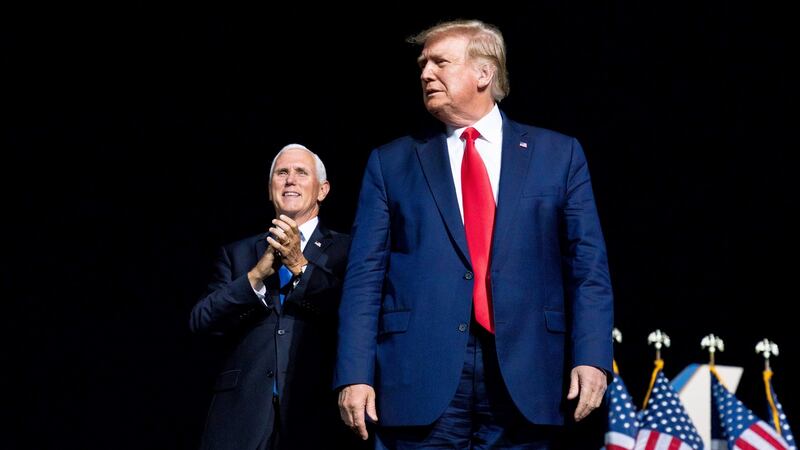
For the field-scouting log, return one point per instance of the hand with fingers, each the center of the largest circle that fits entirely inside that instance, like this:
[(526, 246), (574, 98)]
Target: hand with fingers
[(263, 269), (285, 239), (356, 406), (590, 383)]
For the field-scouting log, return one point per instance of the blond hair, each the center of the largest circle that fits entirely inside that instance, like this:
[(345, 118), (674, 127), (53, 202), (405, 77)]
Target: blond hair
[(485, 42)]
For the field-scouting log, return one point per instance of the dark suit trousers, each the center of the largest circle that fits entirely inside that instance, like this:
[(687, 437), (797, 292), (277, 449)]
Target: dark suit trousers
[(481, 414)]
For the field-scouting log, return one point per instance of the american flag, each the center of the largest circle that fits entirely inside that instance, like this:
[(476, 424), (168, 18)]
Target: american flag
[(664, 423), (786, 432), (740, 426), (622, 424)]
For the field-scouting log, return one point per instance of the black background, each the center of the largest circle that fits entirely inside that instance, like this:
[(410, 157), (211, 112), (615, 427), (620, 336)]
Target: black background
[(137, 139)]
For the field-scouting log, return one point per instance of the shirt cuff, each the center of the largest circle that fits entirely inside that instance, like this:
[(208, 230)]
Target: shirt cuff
[(297, 278), (261, 292)]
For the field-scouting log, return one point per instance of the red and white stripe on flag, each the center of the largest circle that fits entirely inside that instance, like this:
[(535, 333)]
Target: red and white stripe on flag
[(619, 441), (653, 440), (760, 436)]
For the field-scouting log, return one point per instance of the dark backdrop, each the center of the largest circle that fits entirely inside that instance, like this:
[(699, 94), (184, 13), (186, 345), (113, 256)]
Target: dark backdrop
[(137, 140)]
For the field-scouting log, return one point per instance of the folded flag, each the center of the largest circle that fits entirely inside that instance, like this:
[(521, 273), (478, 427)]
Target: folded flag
[(622, 423), (740, 426), (664, 423)]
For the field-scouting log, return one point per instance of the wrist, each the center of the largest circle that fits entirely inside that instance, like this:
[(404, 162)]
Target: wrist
[(254, 279), (298, 268)]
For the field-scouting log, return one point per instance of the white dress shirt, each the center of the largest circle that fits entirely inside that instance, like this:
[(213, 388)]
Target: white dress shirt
[(489, 146)]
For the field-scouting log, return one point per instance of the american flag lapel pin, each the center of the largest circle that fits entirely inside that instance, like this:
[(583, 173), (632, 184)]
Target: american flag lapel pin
[(523, 144), (318, 243)]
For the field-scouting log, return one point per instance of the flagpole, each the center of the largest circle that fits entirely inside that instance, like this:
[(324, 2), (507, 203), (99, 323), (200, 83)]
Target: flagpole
[(713, 343), (658, 339), (768, 348), (616, 336)]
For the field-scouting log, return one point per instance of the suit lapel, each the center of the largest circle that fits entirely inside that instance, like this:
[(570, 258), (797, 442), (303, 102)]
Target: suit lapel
[(516, 156), (435, 162), (319, 240)]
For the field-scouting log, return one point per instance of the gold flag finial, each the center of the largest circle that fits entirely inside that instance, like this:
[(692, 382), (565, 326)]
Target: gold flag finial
[(658, 339), (712, 343)]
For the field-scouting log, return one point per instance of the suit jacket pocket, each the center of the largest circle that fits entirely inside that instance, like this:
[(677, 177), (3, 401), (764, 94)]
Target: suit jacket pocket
[(394, 321), (555, 321), (227, 380), (541, 191)]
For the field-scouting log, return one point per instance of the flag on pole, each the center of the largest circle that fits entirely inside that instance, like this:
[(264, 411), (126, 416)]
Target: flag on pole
[(664, 423), (776, 416), (739, 425), (622, 424)]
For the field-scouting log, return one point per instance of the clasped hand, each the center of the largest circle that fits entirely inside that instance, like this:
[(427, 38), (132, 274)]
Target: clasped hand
[(285, 241)]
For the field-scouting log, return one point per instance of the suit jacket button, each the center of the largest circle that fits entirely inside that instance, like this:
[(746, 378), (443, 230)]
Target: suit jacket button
[(270, 373), (281, 332), (468, 275), (462, 327)]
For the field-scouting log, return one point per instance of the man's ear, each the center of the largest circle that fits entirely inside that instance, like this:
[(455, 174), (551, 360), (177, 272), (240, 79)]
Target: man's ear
[(485, 75), (324, 188)]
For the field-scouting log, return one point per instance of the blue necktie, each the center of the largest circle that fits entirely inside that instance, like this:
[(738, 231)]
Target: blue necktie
[(286, 276)]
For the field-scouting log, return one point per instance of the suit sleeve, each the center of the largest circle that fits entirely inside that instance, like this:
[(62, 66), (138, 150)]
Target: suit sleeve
[(319, 288), (588, 284), (228, 301), (363, 284)]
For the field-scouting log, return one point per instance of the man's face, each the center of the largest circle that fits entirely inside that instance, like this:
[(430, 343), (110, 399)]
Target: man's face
[(295, 189), (449, 80)]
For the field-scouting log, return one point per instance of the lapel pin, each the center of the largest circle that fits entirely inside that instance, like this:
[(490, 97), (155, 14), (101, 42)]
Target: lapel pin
[(523, 144), (318, 243)]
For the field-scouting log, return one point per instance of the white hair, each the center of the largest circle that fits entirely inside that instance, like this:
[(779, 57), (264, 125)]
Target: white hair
[(322, 176)]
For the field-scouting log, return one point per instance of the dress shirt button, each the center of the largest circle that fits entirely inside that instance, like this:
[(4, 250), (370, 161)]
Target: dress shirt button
[(270, 373), (281, 332), (468, 275), (462, 327)]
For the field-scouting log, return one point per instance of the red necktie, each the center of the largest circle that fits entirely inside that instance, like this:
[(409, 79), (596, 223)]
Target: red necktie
[(479, 208)]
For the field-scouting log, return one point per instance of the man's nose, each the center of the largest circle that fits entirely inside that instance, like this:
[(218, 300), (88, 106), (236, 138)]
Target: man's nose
[(427, 73)]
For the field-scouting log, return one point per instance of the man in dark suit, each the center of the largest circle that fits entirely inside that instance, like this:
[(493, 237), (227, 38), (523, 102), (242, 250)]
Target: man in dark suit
[(273, 300), (477, 300)]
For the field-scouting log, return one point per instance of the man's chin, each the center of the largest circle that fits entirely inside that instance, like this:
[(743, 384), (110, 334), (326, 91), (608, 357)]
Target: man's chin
[(435, 103), (439, 111)]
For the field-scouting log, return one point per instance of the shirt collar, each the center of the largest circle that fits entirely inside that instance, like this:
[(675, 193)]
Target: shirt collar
[(306, 229), (489, 126)]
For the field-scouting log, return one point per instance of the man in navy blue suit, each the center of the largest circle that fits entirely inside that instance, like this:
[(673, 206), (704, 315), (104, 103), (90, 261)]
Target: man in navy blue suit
[(273, 303), (477, 307)]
